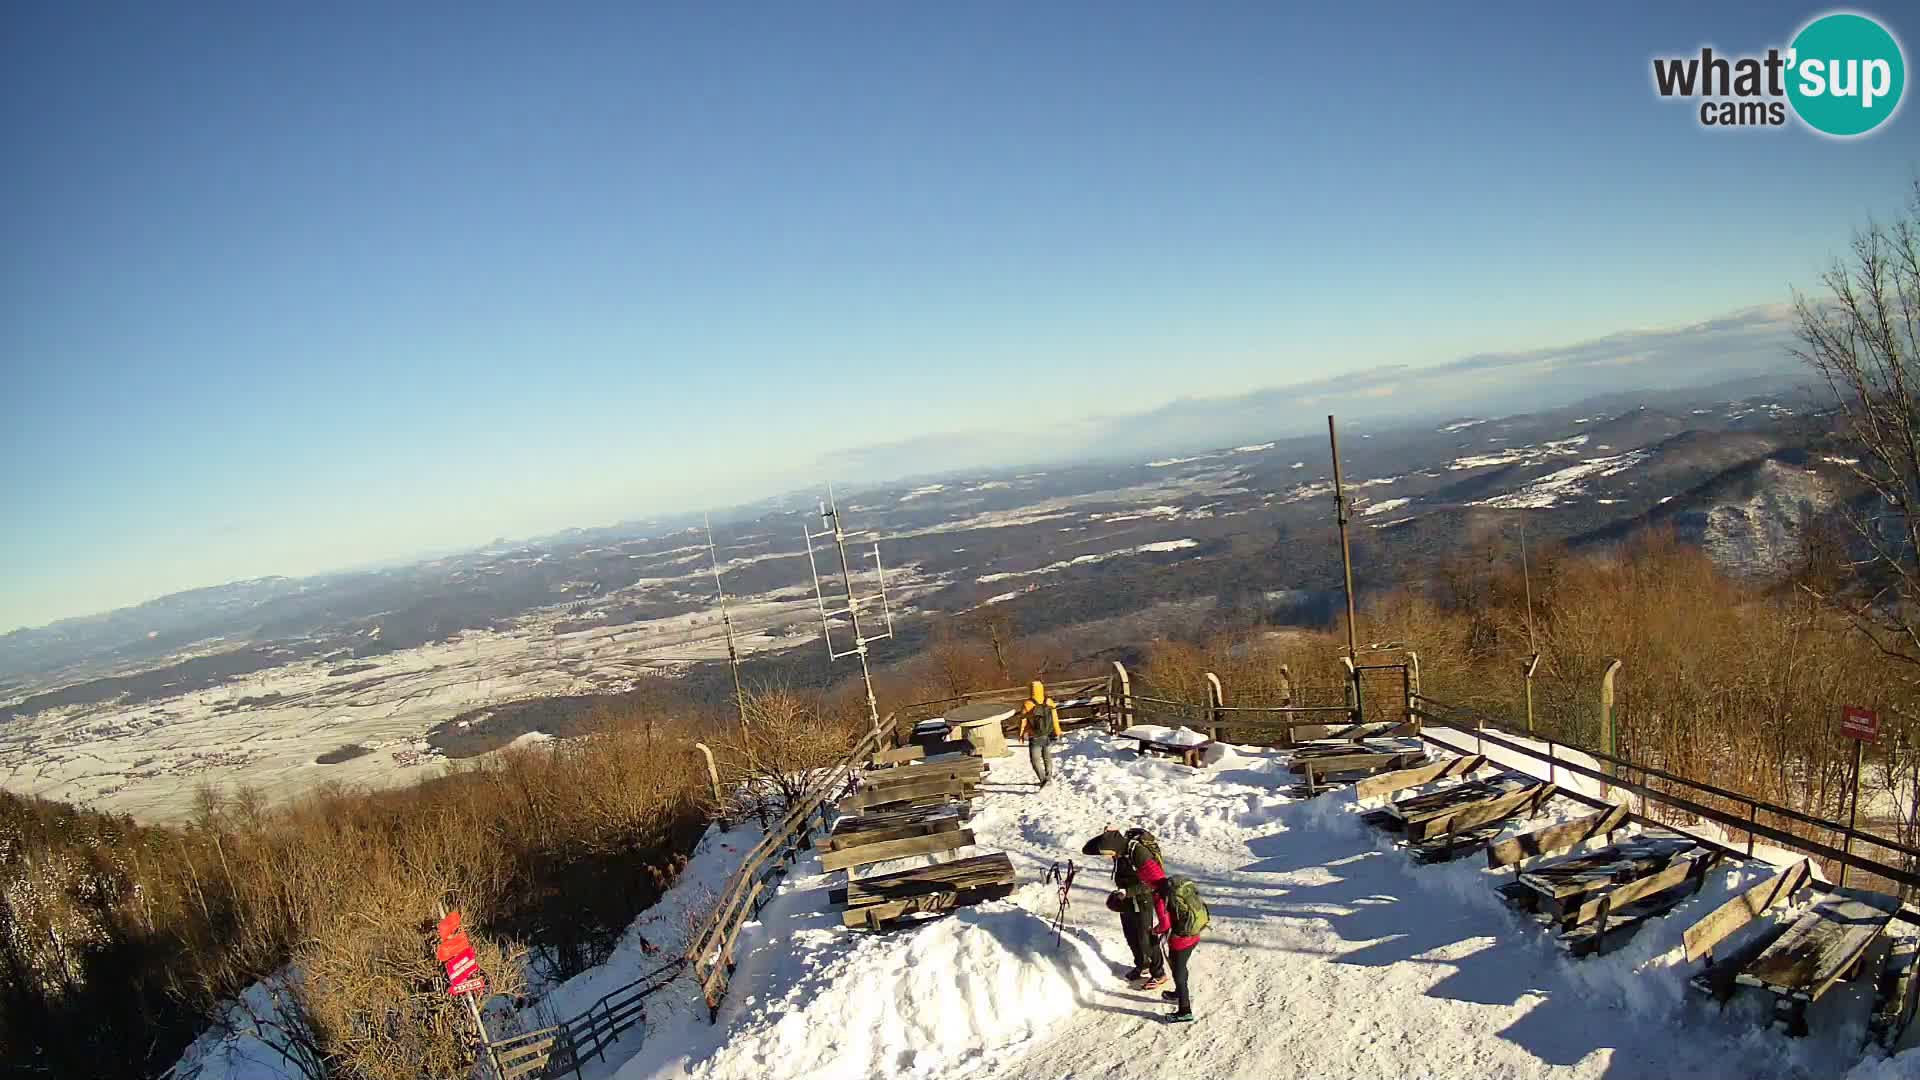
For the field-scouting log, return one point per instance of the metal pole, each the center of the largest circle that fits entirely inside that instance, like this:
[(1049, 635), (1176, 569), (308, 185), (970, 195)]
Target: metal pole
[(1853, 816), (726, 620), (1340, 510), (853, 608)]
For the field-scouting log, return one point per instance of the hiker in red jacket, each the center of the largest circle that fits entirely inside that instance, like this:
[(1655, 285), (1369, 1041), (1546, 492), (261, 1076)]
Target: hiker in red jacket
[(1179, 946)]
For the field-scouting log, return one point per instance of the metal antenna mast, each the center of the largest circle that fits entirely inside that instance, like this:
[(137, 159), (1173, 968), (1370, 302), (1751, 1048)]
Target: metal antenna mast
[(830, 522), (1343, 512), (726, 620)]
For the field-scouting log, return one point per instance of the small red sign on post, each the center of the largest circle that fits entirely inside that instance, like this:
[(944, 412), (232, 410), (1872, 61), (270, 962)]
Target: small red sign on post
[(1859, 723), (455, 951)]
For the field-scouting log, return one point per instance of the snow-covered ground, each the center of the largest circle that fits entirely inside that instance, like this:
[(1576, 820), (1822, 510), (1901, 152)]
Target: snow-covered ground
[(1330, 955)]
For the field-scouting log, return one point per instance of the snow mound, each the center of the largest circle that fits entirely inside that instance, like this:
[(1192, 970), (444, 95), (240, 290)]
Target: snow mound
[(932, 1002)]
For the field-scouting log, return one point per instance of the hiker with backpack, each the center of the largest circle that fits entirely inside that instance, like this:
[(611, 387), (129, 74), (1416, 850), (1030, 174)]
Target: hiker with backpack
[(1040, 725), (1136, 863), (1182, 917)]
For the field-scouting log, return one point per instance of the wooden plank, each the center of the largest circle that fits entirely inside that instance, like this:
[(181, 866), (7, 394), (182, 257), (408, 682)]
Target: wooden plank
[(1364, 761), (911, 815), (920, 760), (1677, 872), (1447, 847), (1718, 981), (1623, 922), (872, 916), (906, 847), (1702, 936), (1498, 808), (969, 769), (1563, 883), (1556, 837), (1388, 783), (899, 755), (991, 869), (840, 841), (1373, 729), (1821, 945), (937, 787)]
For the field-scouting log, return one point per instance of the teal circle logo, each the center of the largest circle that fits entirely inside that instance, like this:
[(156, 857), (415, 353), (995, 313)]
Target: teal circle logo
[(1846, 73)]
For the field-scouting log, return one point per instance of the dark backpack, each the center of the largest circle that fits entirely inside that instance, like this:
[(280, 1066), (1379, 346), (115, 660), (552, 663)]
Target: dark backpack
[(1142, 841), (1185, 909)]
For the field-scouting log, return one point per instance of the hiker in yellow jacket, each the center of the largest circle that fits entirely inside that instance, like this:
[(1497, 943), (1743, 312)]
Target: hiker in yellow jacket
[(1040, 725)]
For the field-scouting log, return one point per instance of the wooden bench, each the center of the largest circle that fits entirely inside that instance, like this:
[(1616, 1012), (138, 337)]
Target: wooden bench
[(858, 855), (1193, 755), (873, 902), (1562, 886), (1464, 806), (1823, 946)]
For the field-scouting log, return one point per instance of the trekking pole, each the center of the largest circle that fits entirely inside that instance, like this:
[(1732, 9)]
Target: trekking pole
[(1064, 876)]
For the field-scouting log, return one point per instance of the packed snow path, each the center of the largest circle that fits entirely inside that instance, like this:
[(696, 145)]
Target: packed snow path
[(1330, 955)]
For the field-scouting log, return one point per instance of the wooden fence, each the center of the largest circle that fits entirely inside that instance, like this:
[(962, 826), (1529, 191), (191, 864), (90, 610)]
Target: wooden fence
[(710, 956)]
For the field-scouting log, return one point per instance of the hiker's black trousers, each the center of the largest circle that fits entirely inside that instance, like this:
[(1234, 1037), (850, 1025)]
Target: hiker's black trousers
[(1177, 960), (1140, 940)]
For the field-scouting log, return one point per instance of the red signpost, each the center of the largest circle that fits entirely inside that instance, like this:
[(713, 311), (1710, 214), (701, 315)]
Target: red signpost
[(464, 978), (1862, 726)]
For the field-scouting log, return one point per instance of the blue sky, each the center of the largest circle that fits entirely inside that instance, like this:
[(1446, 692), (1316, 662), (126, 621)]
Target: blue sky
[(292, 290)]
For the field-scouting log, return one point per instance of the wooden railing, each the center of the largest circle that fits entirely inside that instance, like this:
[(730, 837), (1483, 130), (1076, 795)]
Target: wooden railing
[(710, 955)]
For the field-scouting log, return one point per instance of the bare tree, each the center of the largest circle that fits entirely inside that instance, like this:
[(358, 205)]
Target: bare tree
[(1864, 342)]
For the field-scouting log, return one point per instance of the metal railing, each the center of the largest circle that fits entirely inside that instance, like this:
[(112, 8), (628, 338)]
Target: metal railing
[(598, 1026), (1692, 798)]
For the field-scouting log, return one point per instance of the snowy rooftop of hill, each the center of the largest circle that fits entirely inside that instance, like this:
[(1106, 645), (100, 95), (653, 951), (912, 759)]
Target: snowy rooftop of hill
[(1331, 954)]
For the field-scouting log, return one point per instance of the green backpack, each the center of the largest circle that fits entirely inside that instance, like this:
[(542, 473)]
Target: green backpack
[(1186, 910)]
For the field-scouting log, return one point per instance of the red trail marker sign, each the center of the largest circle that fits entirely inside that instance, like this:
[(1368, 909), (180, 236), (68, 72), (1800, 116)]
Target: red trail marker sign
[(1859, 723)]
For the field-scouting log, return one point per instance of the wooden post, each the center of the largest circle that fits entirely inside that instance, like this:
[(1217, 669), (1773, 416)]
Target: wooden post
[(1606, 714), (1532, 665), (1853, 816), (1123, 701), (1216, 700), (1353, 690), (1286, 686), (713, 773), (1410, 679)]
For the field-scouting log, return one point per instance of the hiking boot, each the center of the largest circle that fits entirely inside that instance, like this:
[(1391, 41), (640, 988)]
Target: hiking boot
[(1181, 1016), (1151, 982), (1134, 973), (1170, 997)]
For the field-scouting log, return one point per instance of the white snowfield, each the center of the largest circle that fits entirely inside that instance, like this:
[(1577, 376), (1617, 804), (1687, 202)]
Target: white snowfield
[(1330, 954)]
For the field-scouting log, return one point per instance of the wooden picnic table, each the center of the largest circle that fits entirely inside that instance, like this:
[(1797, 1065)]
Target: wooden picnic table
[(872, 902), (1563, 885), (1464, 804), (1192, 754), (1820, 948)]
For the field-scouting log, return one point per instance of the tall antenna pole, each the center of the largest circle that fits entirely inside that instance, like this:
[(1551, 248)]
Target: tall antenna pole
[(726, 620), (1341, 513), (830, 520), (1533, 648)]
